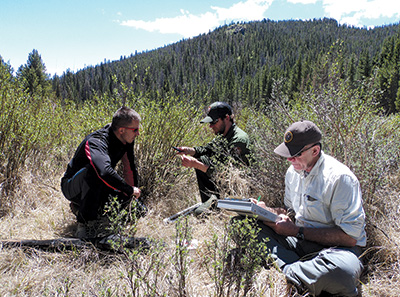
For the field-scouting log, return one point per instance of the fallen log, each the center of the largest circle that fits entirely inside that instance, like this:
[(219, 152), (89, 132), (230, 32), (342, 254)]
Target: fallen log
[(108, 243)]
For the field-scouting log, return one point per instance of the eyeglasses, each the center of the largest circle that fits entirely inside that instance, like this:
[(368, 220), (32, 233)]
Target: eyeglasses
[(214, 122), (133, 129), (302, 151)]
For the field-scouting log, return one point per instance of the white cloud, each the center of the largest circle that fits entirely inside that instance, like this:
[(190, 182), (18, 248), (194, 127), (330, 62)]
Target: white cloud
[(302, 1), (188, 24), (352, 12), (185, 24), (246, 11), (355, 11)]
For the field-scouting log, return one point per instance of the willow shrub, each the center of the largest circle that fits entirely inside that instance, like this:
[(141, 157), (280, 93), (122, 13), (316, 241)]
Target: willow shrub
[(26, 129), (40, 134), (356, 133), (166, 123)]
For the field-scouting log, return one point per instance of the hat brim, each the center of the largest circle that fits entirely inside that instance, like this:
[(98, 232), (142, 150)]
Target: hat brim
[(287, 151), (207, 119)]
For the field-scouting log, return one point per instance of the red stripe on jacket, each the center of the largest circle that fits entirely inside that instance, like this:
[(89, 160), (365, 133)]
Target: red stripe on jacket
[(87, 152)]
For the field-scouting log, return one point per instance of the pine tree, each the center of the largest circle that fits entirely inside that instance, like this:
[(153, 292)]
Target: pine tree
[(388, 74), (364, 66), (32, 76)]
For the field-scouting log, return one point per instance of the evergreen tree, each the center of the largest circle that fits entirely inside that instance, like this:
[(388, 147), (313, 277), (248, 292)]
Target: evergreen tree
[(32, 76), (351, 70), (296, 76), (239, 62), (364, 66), (388, 74), (5, 73)]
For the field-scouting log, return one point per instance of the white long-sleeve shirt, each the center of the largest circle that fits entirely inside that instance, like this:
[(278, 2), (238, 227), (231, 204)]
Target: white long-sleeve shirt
[(328, 196)]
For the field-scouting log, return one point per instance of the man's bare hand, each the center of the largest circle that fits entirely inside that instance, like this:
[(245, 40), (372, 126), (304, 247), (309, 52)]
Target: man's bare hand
[(136, 192), (276, 210), (184, 150), (284, 226), (189, 161)]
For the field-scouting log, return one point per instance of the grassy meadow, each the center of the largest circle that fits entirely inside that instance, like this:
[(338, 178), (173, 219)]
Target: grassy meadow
[(39, 136)]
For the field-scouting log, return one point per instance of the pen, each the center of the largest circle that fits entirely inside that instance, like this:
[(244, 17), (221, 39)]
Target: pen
[(175, 148), (258, 199)]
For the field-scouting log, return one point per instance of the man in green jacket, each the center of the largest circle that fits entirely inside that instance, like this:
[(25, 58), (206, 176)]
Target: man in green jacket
[(230, 141)]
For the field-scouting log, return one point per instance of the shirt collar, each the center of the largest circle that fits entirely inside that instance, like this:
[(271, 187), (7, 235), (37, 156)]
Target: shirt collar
[(230, 133)]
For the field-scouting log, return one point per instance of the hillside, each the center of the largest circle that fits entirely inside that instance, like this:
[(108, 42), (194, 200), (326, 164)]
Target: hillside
[(236, 62), (342, 88)]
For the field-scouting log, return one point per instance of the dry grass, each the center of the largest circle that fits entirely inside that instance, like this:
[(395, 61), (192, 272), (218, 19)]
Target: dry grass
[(41, 212)]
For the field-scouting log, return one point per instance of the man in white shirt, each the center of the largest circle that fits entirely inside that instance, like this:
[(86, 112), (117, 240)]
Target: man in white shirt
[(319, 249)]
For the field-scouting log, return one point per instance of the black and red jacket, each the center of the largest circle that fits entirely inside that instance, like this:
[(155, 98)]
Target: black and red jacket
[(102, 150)]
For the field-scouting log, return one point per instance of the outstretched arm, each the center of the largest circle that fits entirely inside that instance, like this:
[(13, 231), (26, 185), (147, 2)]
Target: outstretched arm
[(184, 150), (190, 162)]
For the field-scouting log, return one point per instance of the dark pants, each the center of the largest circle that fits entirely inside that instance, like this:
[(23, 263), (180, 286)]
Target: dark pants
[(88, 193), (206, 186)]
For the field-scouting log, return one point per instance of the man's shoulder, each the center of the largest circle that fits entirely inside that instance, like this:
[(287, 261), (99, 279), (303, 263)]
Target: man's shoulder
[(240, 135), (334, 168), (331, 163), (102, 134)]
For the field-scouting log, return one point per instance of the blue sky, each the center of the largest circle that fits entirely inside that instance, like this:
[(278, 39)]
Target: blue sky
[(73, 34)]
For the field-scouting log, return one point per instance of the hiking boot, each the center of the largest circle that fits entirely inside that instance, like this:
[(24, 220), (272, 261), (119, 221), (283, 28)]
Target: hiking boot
[(207, 207), (93, 229), (102, 226), (84, 231), (74, 208)]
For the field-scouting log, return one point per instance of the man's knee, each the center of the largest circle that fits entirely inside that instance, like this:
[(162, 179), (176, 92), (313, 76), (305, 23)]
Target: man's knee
[(333, 271), (73, 188)]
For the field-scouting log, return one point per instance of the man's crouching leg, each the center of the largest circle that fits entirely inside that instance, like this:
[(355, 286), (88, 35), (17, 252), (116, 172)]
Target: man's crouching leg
[(333, 270)]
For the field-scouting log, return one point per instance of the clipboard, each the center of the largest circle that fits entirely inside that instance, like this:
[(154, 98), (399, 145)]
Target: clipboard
[(245, 207)]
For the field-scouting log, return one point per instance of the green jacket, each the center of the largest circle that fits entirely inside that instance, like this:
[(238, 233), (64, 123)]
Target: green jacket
[(234, 144)]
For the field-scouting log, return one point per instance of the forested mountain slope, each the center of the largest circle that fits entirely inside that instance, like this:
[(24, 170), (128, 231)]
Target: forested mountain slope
[(236, 62)]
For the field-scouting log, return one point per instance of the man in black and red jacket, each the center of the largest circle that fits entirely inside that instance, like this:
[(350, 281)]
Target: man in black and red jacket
[(91, 177)]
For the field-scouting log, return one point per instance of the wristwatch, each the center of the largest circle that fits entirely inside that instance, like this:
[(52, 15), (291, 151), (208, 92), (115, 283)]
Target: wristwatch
[(300, 234)]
